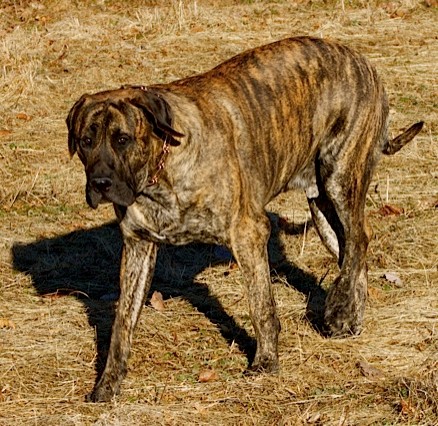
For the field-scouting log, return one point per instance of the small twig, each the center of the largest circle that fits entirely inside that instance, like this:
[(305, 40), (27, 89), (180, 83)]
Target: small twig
[(387, 188), (304, 238)]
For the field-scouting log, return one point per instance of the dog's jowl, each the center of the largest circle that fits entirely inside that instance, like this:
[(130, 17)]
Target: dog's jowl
[(198, 160)]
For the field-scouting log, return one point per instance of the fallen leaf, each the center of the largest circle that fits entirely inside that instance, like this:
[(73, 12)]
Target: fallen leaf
[(393, 278), (23, 116), (157, 301), (406, 408), (7, 323), (5, 132), (208, 376), (375, 293), (196, 29), (234, 266), (422, 346), (55, 295), (389, 210), (399, 13), (313, 418), (42, 19), (369, 371)]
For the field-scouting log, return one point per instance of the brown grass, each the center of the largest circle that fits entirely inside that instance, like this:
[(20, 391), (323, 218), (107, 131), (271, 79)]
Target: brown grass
[(58, 258)]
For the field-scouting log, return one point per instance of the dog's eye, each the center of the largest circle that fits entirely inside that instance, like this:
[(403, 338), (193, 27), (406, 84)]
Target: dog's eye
[(86, 142), (123, 140)]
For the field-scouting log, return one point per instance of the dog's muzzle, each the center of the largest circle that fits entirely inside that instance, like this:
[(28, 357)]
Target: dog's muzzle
[(101, 189)]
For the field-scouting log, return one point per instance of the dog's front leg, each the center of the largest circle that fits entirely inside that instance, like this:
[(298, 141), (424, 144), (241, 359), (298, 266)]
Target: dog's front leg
[(249, 245), (136, 271)]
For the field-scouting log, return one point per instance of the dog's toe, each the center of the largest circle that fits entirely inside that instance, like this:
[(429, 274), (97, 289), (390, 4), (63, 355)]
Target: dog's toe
[(99, 395), (263, 365), (338, 327)]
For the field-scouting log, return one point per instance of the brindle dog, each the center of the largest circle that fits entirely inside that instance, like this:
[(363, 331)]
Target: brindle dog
[(198, 160)]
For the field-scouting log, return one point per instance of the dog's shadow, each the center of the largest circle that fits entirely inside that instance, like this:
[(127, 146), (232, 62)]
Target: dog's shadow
[(85, 264)]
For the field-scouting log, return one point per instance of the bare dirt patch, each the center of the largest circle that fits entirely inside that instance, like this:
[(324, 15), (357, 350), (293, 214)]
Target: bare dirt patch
[(59, 260)]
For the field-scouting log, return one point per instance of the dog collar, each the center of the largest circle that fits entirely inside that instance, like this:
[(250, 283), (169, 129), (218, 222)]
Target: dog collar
[(161, 162)]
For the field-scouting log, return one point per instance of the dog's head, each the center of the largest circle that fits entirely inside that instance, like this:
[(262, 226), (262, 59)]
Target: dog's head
[(118, 135)]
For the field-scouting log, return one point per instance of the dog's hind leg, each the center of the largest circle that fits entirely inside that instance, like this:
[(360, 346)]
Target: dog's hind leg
[(341, 204), (249, 240)]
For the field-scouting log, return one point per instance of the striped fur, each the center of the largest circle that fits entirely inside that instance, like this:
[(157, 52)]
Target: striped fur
[(299, 113)]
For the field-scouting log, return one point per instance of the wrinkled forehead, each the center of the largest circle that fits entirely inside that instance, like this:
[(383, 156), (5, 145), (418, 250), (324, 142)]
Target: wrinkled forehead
[(109, 116)]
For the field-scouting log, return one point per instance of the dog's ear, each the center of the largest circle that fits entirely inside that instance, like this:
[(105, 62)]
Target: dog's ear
[(158, 113), (71, 123)]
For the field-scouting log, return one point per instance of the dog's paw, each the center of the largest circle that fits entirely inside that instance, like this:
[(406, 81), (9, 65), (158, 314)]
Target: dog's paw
[(263, 365), (100, 395), (339, 324), (344, 308), (341, 331)]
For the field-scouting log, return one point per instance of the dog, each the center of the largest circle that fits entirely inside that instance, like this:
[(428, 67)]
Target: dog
[(198, 159)]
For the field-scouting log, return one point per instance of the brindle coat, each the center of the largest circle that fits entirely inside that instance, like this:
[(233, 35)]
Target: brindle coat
[(299, 113)]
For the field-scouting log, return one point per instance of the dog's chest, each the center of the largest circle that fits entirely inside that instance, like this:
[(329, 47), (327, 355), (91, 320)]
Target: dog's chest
[(172, 224)]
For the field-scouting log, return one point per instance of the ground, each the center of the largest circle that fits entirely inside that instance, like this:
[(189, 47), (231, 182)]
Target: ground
[(59, 259)]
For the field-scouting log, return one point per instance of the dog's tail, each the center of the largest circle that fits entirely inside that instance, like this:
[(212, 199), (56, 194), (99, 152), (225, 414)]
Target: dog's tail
[(394, 145)]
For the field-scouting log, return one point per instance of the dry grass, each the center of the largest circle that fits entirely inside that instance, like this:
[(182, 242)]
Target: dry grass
[(58, 258)]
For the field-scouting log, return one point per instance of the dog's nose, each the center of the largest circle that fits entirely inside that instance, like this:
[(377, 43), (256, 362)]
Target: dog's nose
[(101, 184)]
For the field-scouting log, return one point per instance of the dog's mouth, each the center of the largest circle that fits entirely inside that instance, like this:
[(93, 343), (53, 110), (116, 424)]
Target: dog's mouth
[(101, 190)]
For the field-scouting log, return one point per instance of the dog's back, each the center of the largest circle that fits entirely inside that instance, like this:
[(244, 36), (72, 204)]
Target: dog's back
[(298, 98)]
